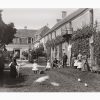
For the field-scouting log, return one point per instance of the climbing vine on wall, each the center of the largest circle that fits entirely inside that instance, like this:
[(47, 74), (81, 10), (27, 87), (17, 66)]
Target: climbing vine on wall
[(54, 42), (82, 33), (97, 47), (80, 40)]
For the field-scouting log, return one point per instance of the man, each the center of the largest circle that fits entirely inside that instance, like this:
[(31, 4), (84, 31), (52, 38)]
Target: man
[(64, 60)]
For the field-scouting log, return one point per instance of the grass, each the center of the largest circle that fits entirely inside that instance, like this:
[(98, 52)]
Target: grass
[(66, 77)]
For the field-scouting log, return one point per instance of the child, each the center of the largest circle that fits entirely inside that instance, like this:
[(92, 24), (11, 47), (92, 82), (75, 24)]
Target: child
[(73, 60), (35, 67), (48, 67), (75, 63), (80, 64), (59, 64)]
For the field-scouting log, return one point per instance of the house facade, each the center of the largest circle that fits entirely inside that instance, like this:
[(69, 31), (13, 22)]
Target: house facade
[(40, 33), (25, 38), (65, 27), (23, 41)]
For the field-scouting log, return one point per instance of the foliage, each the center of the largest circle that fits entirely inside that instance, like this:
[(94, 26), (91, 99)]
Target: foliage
[(80, 40), (25, 54), (84, 32), (38, 52), (97, 47), (54, 42), (7, 33), (81, 45)]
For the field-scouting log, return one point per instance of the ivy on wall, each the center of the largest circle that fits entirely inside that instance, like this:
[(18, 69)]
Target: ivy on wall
[(80, 40), (97, 47), (82, 33), (54, 42), (81, 45)]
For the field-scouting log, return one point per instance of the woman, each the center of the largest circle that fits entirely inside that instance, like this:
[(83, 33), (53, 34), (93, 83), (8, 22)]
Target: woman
[(85, 64), (13, 71), (79, 63)]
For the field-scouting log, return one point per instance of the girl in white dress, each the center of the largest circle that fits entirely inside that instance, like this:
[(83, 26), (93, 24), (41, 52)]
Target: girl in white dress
[(75, 63), (35, 67), (48, 67)]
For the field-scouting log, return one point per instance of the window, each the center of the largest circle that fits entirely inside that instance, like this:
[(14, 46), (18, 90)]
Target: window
[(58, 32), (32, 40), (64, 29), (36, 37), (49, 36), (23, 41), (29, 40), (53, 35)]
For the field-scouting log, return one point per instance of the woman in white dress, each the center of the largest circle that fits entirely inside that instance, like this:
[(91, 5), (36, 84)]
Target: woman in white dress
[(80, 62), (35, 67), (48, 67)]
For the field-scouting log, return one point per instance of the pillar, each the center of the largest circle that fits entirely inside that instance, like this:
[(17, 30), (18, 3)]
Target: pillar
[(91, 40), (69, 49), (60, 51)]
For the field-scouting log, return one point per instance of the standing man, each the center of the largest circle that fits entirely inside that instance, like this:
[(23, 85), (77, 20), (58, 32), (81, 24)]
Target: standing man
[(64, 60)]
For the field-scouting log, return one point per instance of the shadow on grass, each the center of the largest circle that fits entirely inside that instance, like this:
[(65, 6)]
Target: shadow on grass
[(7, 81)]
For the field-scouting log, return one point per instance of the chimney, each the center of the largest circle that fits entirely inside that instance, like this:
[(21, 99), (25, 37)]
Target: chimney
[(58, 20), (25, 27), (64, 13)]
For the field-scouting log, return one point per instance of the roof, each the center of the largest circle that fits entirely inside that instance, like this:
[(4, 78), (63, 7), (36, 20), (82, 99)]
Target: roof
[(68, 18), (25, 33), (42, 31)]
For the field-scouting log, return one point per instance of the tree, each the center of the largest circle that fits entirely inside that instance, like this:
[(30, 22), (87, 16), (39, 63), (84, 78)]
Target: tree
[(25, 54), (7, 34)]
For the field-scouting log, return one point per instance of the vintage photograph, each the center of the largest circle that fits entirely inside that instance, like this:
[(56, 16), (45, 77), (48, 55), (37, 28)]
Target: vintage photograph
[(50, 50)]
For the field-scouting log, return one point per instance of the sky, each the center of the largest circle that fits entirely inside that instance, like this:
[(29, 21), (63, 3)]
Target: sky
[(33, 18)]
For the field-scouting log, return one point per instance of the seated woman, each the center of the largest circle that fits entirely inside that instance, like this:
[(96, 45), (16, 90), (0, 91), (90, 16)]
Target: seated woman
[(55, 63), (60, 64)]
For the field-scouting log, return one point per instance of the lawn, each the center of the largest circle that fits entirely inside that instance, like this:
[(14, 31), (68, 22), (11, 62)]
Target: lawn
[(65, 77)]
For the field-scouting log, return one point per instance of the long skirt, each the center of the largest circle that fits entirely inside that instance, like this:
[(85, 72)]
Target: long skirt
[(13, 72), (79, 65)]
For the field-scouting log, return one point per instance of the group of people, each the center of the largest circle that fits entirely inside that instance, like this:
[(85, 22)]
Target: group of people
[(80, 62), (60, 63), (55, 64)]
